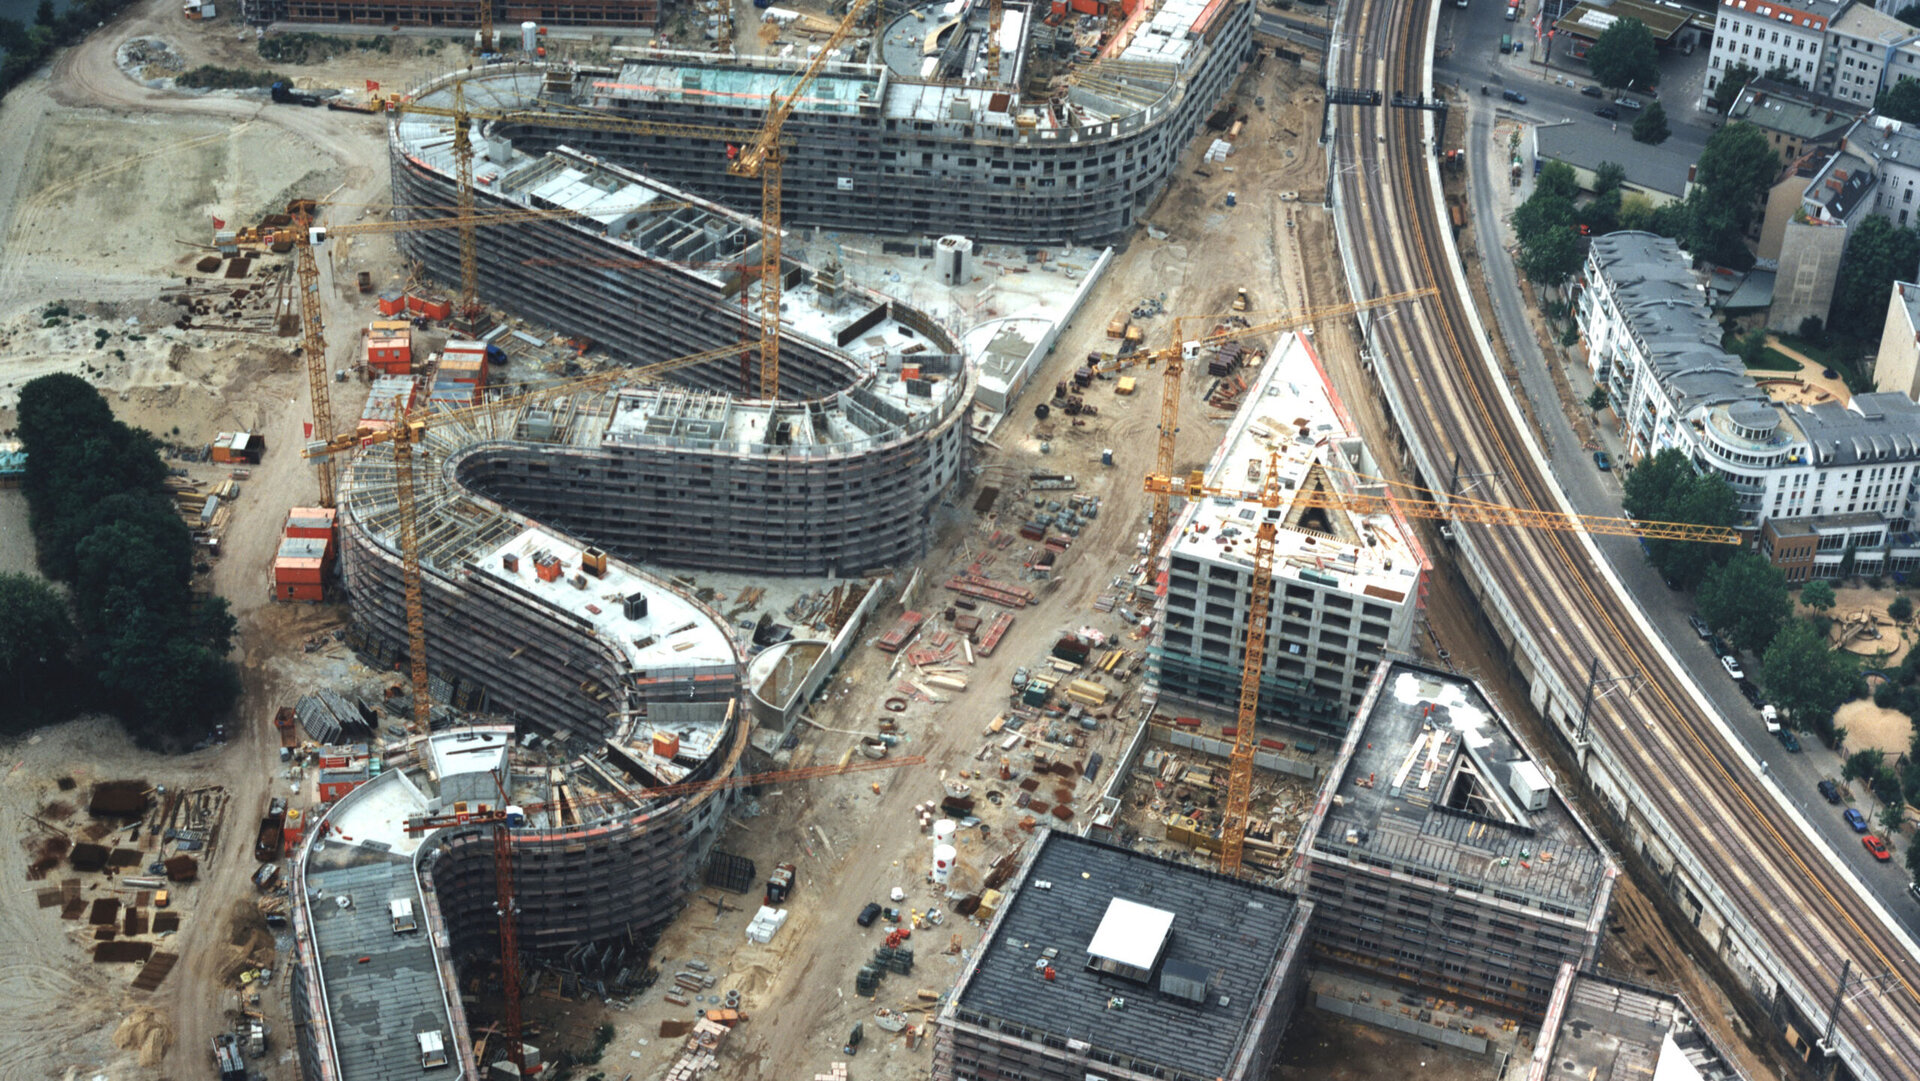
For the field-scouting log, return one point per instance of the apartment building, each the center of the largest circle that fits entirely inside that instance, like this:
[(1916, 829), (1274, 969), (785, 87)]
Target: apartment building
[(1427, 865), (1897, 365), (1768, 36), (1655, 347), (1795, 120), (1866, 52), (1347, 587)]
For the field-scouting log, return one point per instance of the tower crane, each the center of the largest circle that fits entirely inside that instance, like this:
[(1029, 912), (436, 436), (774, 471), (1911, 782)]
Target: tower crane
[(412, 429), (305, 234), (1176, 354), (1275, 494), (502, 820), (993, 40), (764, 157)]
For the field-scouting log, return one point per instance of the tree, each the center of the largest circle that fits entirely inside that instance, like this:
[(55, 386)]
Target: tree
[(1653, 482), (1878, 254), (1624, 55), (1736, 168), (1901, 609), (1597, 399), (1728, 91), (1812, 329), (1817, 595), (36, 646), (1781, 73), (1667, 489), (1806, 678), (1746, 598), (1544, 224), (1893, 813), (1901, 101), (1650, 126), (1863, 765), (1608, 176)]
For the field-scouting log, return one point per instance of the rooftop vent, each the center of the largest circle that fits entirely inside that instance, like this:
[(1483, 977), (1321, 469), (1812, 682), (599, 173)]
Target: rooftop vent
[(1185, 981)]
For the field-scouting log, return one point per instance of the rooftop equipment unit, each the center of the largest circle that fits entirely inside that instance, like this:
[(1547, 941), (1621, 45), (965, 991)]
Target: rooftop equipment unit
[(634, 607), (433, 1049), (402, 912), (1529, 783)]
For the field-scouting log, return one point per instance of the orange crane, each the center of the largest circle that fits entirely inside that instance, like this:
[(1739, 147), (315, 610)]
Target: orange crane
[(1183, 348), (764, 157), (504, 818), (1273, 494), (305, 234), (412, 429)]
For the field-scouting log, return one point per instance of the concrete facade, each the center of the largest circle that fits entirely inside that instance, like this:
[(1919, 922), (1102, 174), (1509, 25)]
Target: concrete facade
[(1867, 51), (878, 152), (1446, 857), (1896, 367), (1347, 588), (1810, 255)]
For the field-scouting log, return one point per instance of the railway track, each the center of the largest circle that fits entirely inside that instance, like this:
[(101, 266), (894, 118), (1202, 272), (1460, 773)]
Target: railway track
[(1796, 916)]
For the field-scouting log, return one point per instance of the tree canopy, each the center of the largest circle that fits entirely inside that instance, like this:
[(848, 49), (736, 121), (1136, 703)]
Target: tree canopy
[(1650, 126), (1624, 55), (1878, 254), (1901, 101), (1728, 90), (1546, 226), (1666, 488), (155, 652), (1736, 168), (1746, 599), (1817, 595), (1909, 15), (37, 641), (1806, 678)]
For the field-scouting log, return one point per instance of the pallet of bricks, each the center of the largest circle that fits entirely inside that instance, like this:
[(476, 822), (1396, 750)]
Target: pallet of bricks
[(835, 1072)]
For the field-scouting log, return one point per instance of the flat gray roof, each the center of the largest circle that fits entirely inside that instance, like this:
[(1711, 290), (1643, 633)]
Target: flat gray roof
[(382, 988), (1427, 793), (1231, 930), (1615, 1030), (1588, 144)]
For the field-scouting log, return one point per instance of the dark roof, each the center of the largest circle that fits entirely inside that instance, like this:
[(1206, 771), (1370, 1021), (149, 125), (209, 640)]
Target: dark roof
[(382, 987), (1232, 930), (1609, 1025)]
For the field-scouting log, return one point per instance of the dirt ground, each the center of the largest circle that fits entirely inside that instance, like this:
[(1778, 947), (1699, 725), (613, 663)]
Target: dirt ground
[(107, 184), (1320, 1046), (1870, 727)]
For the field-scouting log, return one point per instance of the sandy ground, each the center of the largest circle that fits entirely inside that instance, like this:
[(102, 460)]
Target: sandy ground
[(1871, 727), (1812, 386)]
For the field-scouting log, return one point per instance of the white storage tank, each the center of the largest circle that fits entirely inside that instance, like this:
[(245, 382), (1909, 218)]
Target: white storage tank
[(943, 857), (954, 256), (529, 37)]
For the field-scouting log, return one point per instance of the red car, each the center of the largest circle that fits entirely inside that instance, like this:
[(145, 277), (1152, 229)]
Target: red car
[(1876, 846)]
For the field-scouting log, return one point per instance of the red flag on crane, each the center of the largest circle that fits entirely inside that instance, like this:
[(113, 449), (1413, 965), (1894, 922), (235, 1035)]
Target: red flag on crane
[(217, 223), (732, 151), (372, 87), (306, 429)]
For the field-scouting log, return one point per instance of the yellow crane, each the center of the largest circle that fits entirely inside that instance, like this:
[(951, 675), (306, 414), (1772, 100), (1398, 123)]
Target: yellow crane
[(412, 429), (1272, 496), (764, 157), (1183, 348), (306, 233), (993, 40)]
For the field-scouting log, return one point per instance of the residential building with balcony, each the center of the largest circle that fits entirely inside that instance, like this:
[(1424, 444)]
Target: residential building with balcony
[(1867, 51), (1767, 36), (1822, 465)]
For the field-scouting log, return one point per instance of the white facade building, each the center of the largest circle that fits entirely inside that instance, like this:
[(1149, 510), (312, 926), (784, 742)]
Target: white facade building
[(1765, 35), (1653, 344), (1866, 51), (1347, 588)]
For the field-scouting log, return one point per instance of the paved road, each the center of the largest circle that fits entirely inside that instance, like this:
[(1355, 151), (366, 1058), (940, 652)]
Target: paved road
[(1594, 492)]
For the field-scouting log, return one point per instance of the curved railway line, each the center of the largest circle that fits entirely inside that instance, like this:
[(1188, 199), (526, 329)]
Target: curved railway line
[(1802, 915)]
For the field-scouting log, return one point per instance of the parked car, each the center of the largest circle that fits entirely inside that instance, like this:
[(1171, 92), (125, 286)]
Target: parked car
[(1751, 692), (1720, 646), (1788, 740), (1674, 584), (1604, 460), (1855, 819), (872, 913), (1732, 665), (1607, 112), (1877, 847), (1514, 96), (1700, 627), (1627, 103), (1593, 91), (1829, 791)]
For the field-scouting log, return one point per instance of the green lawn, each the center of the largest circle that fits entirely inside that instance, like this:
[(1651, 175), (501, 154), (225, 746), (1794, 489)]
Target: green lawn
[(1840, 354), (1773, 360)]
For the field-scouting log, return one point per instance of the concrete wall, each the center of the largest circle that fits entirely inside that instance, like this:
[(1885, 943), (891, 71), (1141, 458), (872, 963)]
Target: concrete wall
[(1809, 264), (1897, 365), (1398, 1022)]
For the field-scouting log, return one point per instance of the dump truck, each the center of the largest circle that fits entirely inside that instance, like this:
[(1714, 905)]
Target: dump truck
[(288, 725), (266, 843), (285, 94)]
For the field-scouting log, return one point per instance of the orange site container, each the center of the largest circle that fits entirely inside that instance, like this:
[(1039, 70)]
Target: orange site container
[(393, 303), (311, 593), (315, 522), (666, 744), (431, 307)]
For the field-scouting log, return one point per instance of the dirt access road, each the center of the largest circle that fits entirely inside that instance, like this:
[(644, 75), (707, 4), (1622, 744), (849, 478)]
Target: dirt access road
[(104, 184)]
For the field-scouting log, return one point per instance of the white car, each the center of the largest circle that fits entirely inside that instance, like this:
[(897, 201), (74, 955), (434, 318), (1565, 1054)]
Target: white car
[(1733, 667)]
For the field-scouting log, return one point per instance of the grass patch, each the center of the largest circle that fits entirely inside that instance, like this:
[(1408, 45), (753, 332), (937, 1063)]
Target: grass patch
[(1773, 360), (208, 77)]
